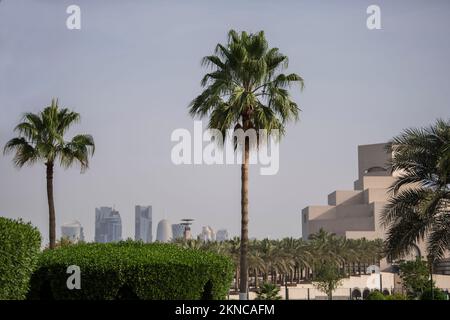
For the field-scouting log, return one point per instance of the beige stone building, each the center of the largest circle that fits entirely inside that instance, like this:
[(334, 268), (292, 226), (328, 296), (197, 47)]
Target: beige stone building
[(356, 213)]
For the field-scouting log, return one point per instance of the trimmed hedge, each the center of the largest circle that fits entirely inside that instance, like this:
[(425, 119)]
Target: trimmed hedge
[(132, 270), (20, 244), (376, 295)]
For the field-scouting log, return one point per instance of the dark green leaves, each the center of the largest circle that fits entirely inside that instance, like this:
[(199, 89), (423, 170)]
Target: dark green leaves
[(146, 271), (41, 138), (243, 87), (419, 207), (19, 248)]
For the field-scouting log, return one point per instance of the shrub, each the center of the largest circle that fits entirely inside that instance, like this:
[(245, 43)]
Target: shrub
[(414, 276), (376, 295), (20, 244), (132, 270), (438, 294), (268, 291), (396, 296)]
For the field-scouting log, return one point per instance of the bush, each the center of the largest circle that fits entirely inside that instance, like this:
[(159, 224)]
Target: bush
[(396, 296), (376, 295), (20, 244), (268, 291), (132, 270), (414, 276), (438, 294)]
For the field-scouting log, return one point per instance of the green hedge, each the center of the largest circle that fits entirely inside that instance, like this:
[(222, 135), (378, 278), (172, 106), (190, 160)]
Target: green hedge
[(376, 295), (20, 244), (132, 270), (396, 296), (438, 294)]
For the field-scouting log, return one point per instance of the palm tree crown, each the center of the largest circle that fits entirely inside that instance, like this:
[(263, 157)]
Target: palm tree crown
[(41, 138), (244, 89), (420, 206)]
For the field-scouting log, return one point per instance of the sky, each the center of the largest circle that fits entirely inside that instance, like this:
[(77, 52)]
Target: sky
[(133, 68)]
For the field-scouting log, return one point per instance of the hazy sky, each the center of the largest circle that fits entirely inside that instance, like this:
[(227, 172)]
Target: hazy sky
[(133, 68)]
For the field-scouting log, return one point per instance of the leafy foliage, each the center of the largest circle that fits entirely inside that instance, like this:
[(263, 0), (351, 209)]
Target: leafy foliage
[(437, 294), (419, 208), (396, 296), (414, 275), (376, 295), (268, 291), (19, 248), (41, 138), (128, 270), (245, 88), (328, 277)]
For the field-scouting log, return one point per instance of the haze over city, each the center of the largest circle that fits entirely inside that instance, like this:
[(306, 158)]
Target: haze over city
[(134, 67)]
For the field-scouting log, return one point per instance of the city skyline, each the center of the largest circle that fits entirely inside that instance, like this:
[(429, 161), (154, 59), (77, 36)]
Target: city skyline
[(74, 230), (123, 73)]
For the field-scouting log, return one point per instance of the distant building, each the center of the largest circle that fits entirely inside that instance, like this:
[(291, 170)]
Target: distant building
[(178, 231), (143, 223), (356, 214), (164, 231), (222, 235), (108, 225), (72, 231), (207, 234), (187, 222)]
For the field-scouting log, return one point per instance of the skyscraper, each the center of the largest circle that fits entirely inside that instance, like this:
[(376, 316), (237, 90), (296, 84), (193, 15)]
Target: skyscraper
[(222, 235), (108, 225), (72, 231), (207, 234), (143, 223), (178, 231), (164, 231)]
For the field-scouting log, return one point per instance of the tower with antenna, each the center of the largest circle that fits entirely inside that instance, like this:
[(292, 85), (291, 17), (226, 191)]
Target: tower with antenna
[(187, 229)]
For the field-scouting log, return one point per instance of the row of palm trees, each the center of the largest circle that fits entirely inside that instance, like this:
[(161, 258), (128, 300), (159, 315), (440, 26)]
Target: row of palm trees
[(289, 261)]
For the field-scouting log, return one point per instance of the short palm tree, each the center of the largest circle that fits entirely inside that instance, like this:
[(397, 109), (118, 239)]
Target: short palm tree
[(420, 206), (268, 291), (246, 91), (41, 139)]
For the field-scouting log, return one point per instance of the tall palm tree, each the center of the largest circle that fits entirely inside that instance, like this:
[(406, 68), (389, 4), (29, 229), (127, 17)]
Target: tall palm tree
[(420, 206), (246, 91), (41, 139)]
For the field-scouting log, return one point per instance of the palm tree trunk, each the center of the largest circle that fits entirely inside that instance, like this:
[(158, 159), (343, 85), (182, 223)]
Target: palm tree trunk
[(236, 284), (51, 205), (244, 221)]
